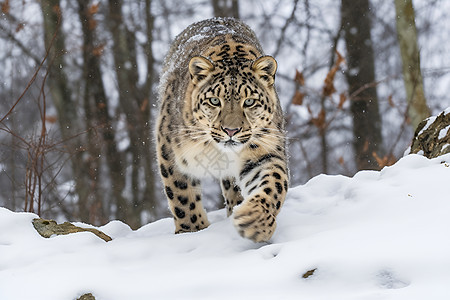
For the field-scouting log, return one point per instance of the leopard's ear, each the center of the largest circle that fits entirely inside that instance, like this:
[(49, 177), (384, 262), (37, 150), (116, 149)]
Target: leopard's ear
[(265, 67), (200, 67)]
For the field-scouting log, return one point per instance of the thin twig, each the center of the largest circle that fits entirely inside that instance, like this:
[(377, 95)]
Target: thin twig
[(33, 78), (283, 30), (20, 45)]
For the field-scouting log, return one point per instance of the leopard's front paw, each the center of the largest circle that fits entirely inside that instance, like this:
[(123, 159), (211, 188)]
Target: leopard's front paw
[(253, 221)]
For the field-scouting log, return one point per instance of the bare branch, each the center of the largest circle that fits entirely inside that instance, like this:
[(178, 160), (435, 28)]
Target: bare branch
[(283, 30), (20, 45)]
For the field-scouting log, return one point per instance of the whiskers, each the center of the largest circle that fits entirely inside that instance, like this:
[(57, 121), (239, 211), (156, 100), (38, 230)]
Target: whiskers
[(271, 140), (187, 132), (189, 138)]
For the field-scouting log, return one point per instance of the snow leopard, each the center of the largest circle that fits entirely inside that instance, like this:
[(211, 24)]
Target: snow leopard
[(220, 116)]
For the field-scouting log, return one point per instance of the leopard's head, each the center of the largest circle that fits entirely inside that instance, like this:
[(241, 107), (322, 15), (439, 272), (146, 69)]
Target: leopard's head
[(234, 100)]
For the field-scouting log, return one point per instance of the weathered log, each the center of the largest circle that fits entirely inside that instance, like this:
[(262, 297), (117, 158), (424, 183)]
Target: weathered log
[(432, 136), (47, 228), (88, 296)]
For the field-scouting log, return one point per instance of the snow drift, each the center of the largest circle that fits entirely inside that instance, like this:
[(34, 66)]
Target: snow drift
[(377, 235)]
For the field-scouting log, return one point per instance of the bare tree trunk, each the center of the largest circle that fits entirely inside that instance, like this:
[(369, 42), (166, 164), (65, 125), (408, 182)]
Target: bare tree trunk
[(96, 108), (149, 201), (361, 71), (226, 8), (62, 99), (58, 83), (135, 104), (412, 76)]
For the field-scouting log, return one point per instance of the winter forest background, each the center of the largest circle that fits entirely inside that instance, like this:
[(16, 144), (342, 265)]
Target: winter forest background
[(78, 89)]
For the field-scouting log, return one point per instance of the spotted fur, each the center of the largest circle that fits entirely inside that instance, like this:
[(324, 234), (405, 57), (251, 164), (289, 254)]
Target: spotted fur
[(220, 116)]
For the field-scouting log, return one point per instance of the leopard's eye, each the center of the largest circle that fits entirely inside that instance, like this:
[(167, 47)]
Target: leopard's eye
[(214, 101), (249, 102)]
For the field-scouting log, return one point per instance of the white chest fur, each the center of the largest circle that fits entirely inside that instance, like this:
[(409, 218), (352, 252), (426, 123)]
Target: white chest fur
[(210, 161)]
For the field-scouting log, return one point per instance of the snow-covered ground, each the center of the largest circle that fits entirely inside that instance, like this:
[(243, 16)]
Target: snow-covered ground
[(378, 235)]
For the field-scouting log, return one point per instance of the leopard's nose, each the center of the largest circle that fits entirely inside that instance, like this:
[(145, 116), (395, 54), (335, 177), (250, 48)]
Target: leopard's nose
[(231, 131)]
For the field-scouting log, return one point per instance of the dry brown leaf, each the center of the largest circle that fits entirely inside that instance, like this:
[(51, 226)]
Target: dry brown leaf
[(319, 121), (387, 160), (93, 9), (20, 26), (309, 273), (101, 105), (391, 103), (342, 99), (340, 59), (298, 98), (366, 146), (92, 24), (98, 51), (5, 7), (328, 88), (51, 119), (57, 9), (299, 78), (144, 105)]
